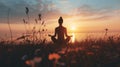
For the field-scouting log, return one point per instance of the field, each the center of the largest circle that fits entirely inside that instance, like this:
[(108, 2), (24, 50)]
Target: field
[(102, 52)]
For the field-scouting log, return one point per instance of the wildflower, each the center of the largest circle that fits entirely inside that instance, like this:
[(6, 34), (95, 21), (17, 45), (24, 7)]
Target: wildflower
[(29, 62), (54, 56)]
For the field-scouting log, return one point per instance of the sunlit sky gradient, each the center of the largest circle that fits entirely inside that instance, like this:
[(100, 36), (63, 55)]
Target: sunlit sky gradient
[(85, 15)]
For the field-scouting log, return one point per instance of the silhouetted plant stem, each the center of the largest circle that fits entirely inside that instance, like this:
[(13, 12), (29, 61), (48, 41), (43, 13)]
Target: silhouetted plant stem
[(28, 20), (25, 28), (27, 14), (25, 25), (8, 21), (106, 31), (40, 30)]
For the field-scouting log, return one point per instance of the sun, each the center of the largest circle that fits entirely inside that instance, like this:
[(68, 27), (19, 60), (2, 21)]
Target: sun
[(73, 28)]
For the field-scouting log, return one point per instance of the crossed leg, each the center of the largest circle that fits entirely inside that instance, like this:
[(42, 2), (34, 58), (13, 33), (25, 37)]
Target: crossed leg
[(58, 41)]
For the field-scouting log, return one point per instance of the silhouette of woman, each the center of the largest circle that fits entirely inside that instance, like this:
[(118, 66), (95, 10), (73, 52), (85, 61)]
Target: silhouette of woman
[(60, 32)]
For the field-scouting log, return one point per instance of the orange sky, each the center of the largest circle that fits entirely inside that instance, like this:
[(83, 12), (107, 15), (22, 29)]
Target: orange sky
[(81, 25)]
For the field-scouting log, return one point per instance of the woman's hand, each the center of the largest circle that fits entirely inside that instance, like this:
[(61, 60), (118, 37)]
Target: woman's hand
[(49, 35)]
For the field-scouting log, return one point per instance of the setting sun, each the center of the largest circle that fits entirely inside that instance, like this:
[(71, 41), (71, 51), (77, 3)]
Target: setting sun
[(73, 28)]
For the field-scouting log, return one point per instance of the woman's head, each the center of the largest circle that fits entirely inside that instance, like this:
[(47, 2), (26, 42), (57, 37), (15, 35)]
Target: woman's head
[(60, 21)]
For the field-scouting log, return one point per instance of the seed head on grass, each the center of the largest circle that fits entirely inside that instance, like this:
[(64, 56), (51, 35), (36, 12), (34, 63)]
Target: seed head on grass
[(39, 16), (27, 10), (106, 31)]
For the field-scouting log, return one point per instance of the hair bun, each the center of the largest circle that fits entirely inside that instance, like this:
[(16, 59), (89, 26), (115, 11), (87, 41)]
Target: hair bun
[(61, 19)]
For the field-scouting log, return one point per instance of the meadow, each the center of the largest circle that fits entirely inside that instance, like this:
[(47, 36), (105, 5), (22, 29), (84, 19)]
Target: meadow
[(102, 52)]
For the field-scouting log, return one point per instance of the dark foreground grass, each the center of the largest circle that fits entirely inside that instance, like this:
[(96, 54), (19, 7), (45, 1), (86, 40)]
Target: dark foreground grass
[(87, 53)]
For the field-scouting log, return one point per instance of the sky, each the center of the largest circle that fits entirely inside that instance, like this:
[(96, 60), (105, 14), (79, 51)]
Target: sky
[(84, 15)]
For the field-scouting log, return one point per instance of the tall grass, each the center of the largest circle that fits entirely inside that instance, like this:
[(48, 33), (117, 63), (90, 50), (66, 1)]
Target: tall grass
[(8, 21), (36, 34), (87, 53), (28, 18), (25, 22)]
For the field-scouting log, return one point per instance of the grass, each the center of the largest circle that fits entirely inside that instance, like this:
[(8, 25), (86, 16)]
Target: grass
[(102, 52)]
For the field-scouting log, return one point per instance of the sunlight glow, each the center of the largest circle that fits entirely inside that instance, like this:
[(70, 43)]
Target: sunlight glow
[(73, 37), (73, 28)]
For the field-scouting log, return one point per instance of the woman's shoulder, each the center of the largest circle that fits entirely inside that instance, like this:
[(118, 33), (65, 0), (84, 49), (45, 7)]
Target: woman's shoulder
[(64, 27), (60, 27)]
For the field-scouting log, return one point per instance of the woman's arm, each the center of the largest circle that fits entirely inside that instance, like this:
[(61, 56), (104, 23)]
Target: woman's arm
[(66, 33), (55, 33)]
